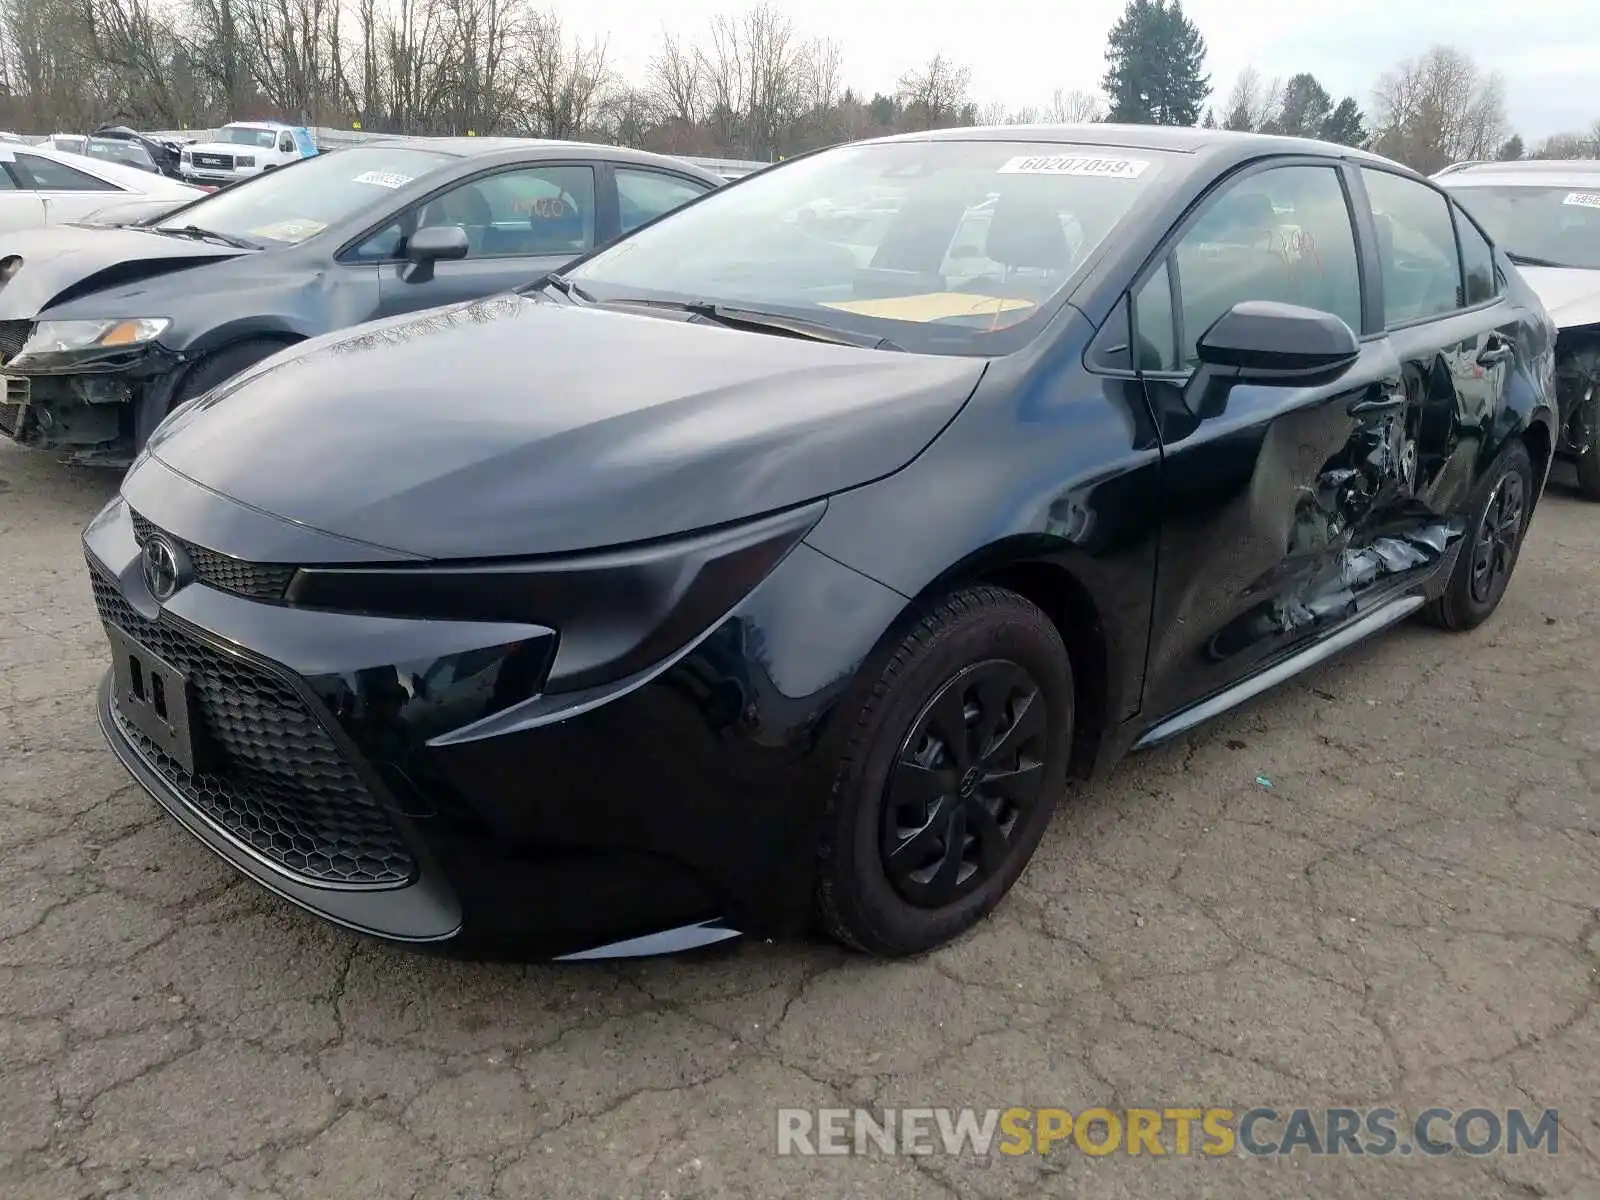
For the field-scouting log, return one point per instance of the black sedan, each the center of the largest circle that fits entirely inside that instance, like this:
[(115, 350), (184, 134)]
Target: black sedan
[(106, 327), (789, 556)]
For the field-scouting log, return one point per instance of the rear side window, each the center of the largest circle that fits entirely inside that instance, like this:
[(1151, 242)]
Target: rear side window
[(644, 195), (1479, 278), (50, 176), (1416, 248)]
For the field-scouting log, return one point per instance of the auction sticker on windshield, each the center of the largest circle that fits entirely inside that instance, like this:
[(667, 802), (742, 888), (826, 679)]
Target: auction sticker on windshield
[(1583, 199), (297, 230), (388, 179), (930, 307), (1101, 166)]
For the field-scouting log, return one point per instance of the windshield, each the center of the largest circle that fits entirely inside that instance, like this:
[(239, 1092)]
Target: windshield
[(294, 203), (950, 247), (1558, 224), (235, 135), (118, 151)]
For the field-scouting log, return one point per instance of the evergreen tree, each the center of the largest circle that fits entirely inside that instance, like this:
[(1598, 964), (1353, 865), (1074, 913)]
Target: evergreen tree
[(1512, 149), (1345, 125), (1155, 65), (1304, 109)]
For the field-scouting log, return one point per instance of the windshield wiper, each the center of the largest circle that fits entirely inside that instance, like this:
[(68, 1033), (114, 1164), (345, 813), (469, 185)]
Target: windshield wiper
[(565, 286), (194, 231), (1529, 260), (734, 317)]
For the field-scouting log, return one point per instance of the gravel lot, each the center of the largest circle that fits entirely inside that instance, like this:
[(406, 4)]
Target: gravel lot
[(1410, 914)]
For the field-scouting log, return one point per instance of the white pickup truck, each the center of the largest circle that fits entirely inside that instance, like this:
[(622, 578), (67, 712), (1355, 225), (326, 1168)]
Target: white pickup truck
[(244, 149)]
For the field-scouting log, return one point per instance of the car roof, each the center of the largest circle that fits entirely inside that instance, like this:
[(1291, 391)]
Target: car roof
[(1173, 139), (1537, 172), (515, 147)]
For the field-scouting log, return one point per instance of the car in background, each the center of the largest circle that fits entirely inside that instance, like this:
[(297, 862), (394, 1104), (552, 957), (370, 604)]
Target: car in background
[(119, 150), (41, 187), (1546, 214), (105, 327), (719, 583), (245, 149), (164, 152)]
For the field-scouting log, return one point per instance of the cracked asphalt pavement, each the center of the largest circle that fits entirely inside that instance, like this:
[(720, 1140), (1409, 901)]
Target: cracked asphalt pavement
[(1407, 916)]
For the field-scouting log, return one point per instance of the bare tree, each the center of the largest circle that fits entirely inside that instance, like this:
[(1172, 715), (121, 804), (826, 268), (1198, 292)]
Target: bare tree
[(1437, 109), (1074, 107), (568, 82), (676, 81), (935, 94), (1253, 104)]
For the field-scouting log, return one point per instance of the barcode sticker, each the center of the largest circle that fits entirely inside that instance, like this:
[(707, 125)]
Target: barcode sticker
[(1098, 165)]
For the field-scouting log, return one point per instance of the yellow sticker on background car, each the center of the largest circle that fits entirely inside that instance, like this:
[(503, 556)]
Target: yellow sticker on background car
[(296, 230), (931, 306)]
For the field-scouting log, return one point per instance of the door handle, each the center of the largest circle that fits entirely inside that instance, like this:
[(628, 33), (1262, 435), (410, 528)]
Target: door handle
[(1387, 402), (1496, 348)]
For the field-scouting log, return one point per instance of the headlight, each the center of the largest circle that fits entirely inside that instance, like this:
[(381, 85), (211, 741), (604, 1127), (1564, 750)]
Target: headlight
[(615, 612), (245, 160), (60, 337), (185, 156)]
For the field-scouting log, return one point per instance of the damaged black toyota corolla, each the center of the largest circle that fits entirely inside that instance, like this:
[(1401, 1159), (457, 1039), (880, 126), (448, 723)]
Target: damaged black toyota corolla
[(788, 557)]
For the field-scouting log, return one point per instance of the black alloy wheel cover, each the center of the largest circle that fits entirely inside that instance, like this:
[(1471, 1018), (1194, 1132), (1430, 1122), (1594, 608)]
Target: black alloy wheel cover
[(963, 783), (1494, 549)]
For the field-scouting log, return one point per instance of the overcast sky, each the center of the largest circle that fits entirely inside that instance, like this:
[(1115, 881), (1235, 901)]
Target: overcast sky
[(1548, 50)]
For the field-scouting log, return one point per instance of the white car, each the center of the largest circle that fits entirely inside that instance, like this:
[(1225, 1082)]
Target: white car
[(1546, 215), (245, 149), (40, 186)]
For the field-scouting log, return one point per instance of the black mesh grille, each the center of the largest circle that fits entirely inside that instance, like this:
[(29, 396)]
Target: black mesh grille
[(280, 785), (12, 336), (259, 581)]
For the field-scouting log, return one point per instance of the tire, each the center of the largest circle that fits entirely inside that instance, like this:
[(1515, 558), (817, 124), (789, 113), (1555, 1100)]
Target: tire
[(1588, 465), (1501, 509), (221, 366), (980, 643)]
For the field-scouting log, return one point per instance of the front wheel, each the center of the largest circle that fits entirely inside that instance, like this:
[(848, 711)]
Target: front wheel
[(1588, 463), (1495, 530), (951, 765)]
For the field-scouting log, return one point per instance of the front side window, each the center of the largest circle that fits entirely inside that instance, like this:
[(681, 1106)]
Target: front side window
[(527, 212), (956, 247), (644, 195), (1416, 248), (299, 201), (48, 175), (1282, 234), (1551, 226)]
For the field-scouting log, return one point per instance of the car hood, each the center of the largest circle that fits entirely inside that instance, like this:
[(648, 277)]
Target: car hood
[(63, 262), (225, 148), (520, 426), (1570, 295)]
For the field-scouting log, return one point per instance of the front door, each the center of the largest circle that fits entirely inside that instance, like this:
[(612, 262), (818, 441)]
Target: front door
[(1299, 480), (519, 223)]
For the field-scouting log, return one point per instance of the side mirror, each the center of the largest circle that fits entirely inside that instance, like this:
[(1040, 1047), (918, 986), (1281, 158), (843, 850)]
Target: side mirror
[(1261, 341), (436, 243)]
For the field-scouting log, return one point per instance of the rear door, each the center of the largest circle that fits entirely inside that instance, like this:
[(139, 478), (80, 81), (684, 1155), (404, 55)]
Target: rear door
[(1273, 496), (20, 205), (520, 222), (65, 193), (1452, 327)]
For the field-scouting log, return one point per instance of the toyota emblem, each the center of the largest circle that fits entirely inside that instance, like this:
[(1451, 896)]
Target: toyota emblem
[(161, 571)]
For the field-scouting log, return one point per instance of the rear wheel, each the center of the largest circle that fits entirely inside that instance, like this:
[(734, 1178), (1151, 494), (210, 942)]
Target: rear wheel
[(1588, 463), (1494, 540), (952, 763)]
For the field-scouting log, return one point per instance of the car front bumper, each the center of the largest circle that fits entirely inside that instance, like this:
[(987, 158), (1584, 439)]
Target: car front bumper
[(92, 411), (667, 812)]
